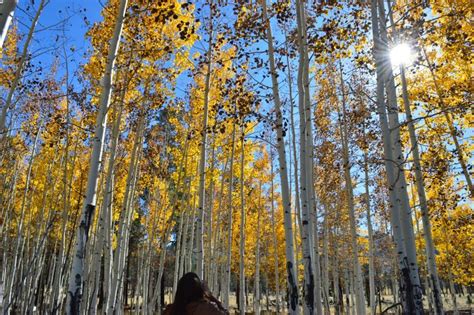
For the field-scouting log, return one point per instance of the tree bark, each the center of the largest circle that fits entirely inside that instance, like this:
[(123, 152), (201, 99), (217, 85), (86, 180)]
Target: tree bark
[(289, 249), (7, 10), (202, 161), (77, 272), (411, 291), (242, 305)]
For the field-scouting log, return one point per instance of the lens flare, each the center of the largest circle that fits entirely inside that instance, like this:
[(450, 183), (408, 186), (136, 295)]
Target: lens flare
[(401, 54)]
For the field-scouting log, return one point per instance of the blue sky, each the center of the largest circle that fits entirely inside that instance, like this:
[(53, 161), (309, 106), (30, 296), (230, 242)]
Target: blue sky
[(62, 22)]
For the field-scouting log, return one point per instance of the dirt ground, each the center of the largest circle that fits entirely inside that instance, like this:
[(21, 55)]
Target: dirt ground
[(386, 302)]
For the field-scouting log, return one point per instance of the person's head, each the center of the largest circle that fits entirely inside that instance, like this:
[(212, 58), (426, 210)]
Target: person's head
[(189, 289)]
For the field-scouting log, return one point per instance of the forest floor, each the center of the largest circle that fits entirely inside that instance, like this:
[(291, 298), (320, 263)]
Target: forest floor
[(269, 308)]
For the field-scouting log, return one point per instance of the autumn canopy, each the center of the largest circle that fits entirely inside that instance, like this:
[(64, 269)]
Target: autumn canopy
[(300, 156)]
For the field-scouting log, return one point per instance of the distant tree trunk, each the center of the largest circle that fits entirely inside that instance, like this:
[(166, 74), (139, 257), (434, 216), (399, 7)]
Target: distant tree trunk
[(359, 283), (242, 306), (13, 273), (256, 308), (120, 255), (275, 245), (191, 249), (325, 268), (226, 283), (214, 276), (371, 237), (209, 216)]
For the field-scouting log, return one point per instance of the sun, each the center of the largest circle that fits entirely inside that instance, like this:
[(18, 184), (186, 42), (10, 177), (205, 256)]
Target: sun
[(401, 54)]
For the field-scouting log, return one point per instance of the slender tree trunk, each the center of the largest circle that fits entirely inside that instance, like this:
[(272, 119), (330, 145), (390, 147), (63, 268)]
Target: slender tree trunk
[(289, 249), (229, 235), (411, 290), (216, 243), (11, 285), (202, 161), (359, 282), (77, 272), (191, 248), (312, 207), (119, 257), (325, 269), (275, 245), (452, 291), (429, 245), (371, 237), (256, 308), (209, 219), (401, 185), (305, 171), (242, 305), (420, 187)]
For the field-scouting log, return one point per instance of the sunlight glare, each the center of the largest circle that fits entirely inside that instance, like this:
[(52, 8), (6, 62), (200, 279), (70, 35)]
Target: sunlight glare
[(401, 54)]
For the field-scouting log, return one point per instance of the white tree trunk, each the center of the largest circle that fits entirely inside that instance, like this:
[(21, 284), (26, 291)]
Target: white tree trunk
[(359, 282), (18, 73), (256, 307), (226, 284), (77, 272), (7, 8), (242, 304), (401, 185), (306, 171), (285, 192), (202, 161), (325, 268), (371, 237), (275, 244), (425, 215), (213, 276), (13, 273), (400, 211)]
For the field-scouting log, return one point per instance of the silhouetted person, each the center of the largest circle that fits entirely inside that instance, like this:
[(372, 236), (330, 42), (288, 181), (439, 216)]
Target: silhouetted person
[(193, 298)]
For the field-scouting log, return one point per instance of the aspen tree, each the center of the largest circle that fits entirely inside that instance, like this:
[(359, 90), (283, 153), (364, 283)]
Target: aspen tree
[(256, 307), (311, 263), (429, 245), (370, 234), (359, 285), (202, 161), (226, 283), (74, 296), (242, 291), (401, 185), (11, 283), (277, 279), (411, 293), (290, 260)]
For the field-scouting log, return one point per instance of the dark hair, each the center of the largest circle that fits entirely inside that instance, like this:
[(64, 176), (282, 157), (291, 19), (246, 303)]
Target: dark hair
[(190, 289)]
